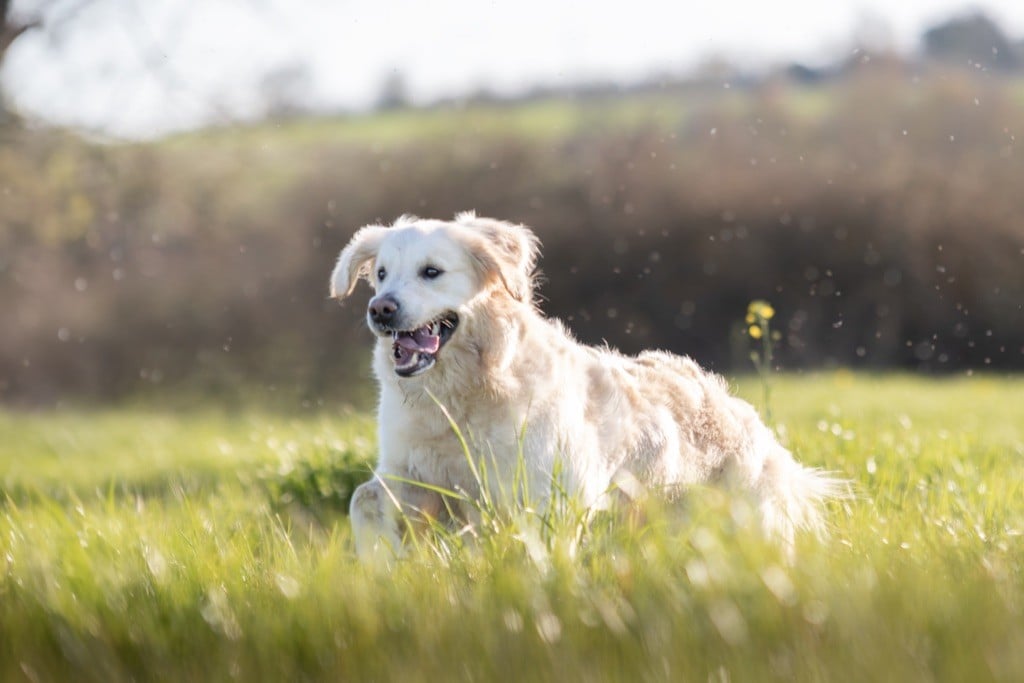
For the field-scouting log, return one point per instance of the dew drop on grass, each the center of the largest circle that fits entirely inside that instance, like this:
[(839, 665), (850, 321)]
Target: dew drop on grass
[(611, 615), (729, 621), (778, 582), (217, 612), (549, 627), (816, 612), (704, 540), (741, 513), (155, 561), (513, 620), (697, 572), (288, 586)]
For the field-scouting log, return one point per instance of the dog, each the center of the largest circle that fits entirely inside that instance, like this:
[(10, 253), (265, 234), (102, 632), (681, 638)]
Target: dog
[(461, 343)]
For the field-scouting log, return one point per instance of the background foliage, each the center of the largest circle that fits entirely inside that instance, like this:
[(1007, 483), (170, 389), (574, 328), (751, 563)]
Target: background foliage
[(881, 214)]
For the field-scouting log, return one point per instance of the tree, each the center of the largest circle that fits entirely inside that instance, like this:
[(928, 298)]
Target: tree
[(974, 38), (12, 27), (285, 91), (53, 16), (394, 93)]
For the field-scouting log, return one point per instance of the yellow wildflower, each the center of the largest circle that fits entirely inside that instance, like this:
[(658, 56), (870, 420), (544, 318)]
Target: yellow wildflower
[(761, 309), (755, 331)]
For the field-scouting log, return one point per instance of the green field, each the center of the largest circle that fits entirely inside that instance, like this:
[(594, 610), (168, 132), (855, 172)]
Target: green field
[(208, 545)]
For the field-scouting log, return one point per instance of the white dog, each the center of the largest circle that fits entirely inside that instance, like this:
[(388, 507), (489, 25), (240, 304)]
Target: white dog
[(457, 328)]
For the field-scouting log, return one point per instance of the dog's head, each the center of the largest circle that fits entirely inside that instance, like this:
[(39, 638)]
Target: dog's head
[(428, 275)]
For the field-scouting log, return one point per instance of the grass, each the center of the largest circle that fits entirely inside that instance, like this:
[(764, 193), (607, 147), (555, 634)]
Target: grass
[(147, 546), (548, 119)]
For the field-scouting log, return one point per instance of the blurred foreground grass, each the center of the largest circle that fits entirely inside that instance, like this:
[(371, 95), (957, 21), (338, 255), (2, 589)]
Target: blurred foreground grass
[(199, 545)]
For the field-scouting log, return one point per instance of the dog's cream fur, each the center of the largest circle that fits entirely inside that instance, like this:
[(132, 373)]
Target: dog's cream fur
[(525, 394)]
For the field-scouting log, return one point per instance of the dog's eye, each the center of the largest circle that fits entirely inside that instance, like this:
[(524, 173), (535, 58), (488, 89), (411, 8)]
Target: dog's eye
[(381, 274), (430, 272)]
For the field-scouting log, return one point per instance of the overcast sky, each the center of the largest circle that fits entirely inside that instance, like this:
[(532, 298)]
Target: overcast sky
[(140, 68)]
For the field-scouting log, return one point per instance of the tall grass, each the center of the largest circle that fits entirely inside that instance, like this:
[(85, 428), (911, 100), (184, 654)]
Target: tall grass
[(227, 556)]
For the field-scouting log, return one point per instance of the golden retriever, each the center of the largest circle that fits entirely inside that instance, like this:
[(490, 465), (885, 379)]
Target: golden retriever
[(458, 332)]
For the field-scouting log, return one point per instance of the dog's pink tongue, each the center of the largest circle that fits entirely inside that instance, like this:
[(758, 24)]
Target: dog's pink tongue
[(419, 340)]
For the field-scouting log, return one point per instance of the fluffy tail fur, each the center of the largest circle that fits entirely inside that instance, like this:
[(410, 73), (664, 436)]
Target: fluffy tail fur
[(791, 496)]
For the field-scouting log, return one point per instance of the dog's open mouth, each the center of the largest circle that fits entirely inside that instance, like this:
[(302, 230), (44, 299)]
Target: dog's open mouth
[(415, 351)]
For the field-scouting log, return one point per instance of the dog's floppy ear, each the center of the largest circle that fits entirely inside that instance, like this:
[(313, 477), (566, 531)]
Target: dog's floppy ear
[(356, 259), (508, 251)]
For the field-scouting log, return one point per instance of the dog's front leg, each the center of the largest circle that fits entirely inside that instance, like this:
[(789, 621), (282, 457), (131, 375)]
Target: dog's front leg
[(383, 511)]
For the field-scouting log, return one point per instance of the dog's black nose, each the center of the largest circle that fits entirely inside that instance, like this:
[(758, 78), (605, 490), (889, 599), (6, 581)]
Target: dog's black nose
[(382, 309)]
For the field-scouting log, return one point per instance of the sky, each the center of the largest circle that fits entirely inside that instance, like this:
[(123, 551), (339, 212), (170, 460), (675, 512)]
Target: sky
[(143, 68)]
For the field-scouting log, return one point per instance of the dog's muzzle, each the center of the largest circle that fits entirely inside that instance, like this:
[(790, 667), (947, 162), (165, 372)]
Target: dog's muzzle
[(415, 351)]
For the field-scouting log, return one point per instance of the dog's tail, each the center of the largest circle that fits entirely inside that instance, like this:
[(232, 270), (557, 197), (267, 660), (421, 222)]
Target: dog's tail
[(792, 497)]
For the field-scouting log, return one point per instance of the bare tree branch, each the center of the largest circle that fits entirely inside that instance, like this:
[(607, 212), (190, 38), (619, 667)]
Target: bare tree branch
[(12, 31), (11, 28)]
